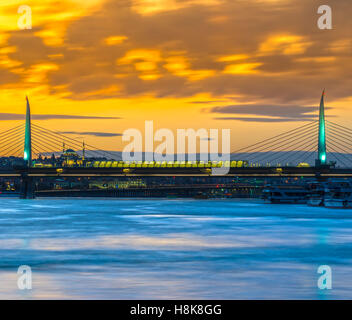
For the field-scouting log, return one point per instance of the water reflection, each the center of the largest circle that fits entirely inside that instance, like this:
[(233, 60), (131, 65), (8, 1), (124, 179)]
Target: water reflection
[(177, 249)]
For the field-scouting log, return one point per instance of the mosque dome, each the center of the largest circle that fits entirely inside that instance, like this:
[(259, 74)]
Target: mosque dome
[(70, 153)]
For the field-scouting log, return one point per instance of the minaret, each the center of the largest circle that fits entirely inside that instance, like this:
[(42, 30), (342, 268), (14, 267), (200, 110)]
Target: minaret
[(322, 134), (27, 154)]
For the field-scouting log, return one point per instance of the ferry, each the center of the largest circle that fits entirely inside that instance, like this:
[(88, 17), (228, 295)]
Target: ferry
[(285, 194)]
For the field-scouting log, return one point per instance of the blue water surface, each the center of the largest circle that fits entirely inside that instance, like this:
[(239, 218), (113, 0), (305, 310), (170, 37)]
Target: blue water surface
[(173, 249)]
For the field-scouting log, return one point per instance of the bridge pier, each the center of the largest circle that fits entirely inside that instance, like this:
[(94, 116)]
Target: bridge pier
[(27, 187)]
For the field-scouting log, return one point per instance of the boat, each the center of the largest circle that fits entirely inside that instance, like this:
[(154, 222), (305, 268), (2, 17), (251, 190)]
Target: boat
[(338, 194), (316, 194), (201, 195), (285, 194)]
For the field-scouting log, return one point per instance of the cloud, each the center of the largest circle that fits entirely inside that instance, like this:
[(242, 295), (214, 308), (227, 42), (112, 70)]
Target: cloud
[(253, 49), (96, 134), (270, 113), (17, 116), (207, 101), (294, 111)]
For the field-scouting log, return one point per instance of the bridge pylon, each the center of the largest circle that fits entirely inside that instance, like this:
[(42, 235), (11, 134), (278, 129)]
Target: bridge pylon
[(27, 186), (27, 154), (321, 161)]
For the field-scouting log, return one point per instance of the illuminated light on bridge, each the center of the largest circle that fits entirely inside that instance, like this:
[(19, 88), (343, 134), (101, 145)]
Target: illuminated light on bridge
[(27, 154), (322, 136)]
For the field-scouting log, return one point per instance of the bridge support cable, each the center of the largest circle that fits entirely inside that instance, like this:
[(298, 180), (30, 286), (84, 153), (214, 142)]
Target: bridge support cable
[(37, 152), (285, 141), (14, 135), (42, 150), (294, 156), (57, 144), (338, 160), (281, 155), (292, 141), (334, 124), (50, 145), (340, 136), (17, 152), (334, 153), (342, 151), (10, 131), (343, 132), (341, 142), (275, 142), (10, 147), (45, 147), (7, 144), (276, 138), (309, 153), (289, 145), (8, 152), (4, 149), (78, 143), (73, 142), (299, 157), (56, 139), (11, 140)]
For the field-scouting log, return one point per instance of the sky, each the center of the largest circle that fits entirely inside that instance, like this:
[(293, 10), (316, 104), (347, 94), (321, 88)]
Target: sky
[(94, 68)]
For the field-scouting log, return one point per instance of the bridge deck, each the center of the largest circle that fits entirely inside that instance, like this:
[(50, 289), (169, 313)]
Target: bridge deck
[(117, 172)]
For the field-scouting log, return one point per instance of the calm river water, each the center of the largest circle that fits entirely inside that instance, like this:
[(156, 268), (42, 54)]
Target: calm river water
[(173, 249)]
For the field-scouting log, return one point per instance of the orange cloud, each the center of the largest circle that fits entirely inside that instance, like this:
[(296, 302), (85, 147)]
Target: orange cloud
[(242, 68), (51, 17), (114, 40), (179, 66), (144, 60), (147, 7), (285, 44), (234, 57)]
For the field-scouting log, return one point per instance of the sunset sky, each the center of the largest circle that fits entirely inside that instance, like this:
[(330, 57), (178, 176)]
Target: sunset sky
[(93, 68)]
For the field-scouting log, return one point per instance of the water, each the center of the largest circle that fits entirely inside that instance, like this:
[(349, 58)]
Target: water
[(173, 249)]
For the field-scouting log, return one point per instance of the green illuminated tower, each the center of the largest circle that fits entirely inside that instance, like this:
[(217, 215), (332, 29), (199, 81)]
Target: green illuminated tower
[(322, 137), (27, 154)]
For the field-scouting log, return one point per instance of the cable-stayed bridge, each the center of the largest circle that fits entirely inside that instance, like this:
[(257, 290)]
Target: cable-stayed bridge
[(319, 148), (299, 146)]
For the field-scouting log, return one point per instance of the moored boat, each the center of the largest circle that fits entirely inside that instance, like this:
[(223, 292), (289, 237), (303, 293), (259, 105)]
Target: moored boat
[(285, 194), (316, 194), (338, 195)]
